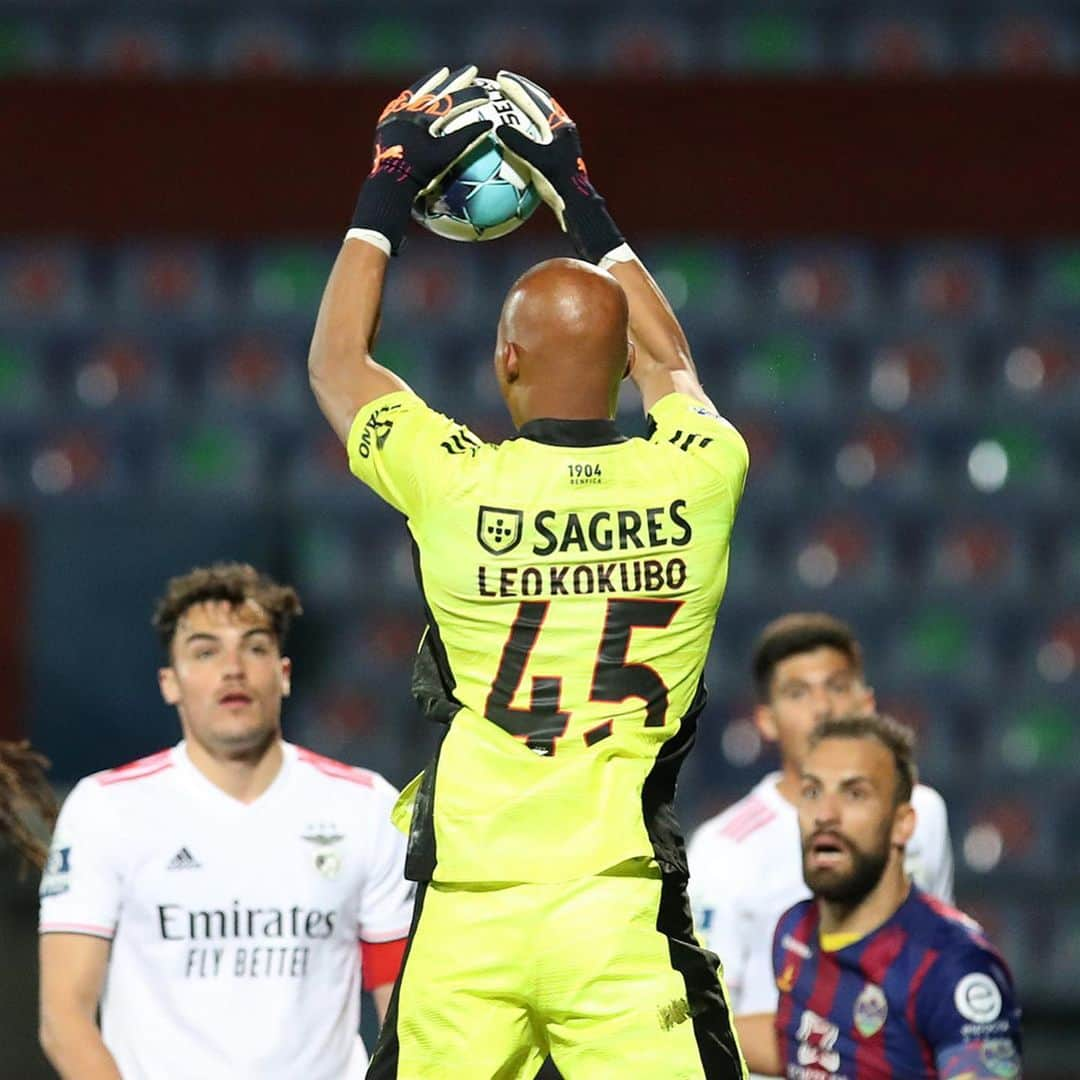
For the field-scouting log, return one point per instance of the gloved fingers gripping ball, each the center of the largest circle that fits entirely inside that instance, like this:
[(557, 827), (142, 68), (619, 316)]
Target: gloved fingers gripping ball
[(410, 151), (557, 167), (547, 116)]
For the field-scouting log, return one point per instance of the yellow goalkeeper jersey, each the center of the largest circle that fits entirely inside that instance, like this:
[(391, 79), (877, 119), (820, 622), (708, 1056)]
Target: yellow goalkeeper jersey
[(571, 578)]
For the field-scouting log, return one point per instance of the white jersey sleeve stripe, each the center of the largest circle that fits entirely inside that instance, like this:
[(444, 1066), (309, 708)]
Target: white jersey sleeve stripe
[(384, 936)]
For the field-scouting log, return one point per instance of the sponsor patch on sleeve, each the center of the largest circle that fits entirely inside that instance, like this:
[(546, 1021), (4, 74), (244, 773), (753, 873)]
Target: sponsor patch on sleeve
[(56, 877), (977, 998)]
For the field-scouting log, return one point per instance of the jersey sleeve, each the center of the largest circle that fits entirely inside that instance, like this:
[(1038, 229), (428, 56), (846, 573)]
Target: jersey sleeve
[(934, 874), (759, 993), (406, 452), (969, 1015), (386, 902), (81, 885), (714, 902), (705, 437)]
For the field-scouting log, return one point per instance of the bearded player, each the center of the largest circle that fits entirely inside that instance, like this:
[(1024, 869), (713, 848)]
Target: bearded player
[(877, 979), (745, 866), (571, 578)]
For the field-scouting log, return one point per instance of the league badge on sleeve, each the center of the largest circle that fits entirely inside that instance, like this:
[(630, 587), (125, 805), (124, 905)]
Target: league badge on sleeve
[(1001, 1058), (56, 877), (977, 998)]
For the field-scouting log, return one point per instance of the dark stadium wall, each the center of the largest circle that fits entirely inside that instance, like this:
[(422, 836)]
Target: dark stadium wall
[(748, 159)]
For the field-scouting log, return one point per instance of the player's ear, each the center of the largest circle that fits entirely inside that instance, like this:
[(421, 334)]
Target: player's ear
[(903, 825), (169, 686), (631, 359), (766, 723), (868, 704), (511, 363), (286, 676)]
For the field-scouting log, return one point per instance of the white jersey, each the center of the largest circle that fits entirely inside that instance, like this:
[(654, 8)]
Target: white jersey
[(746, 871), (234, 927)]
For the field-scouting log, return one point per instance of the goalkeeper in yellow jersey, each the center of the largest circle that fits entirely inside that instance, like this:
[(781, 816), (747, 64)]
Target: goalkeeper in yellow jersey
[(570, 578)]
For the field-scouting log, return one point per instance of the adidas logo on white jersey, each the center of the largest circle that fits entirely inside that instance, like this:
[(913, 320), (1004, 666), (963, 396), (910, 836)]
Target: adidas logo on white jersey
[(184, 860)]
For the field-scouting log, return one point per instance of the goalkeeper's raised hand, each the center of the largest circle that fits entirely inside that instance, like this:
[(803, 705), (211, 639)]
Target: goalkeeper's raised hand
[(410, 151), (557, 167)]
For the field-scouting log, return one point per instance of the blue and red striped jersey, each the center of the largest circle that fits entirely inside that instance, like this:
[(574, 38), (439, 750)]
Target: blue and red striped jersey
[(923, 997)]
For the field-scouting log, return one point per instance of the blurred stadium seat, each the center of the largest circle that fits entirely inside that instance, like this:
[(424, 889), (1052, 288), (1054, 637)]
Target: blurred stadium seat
[(120, 375), (210, 459), (952, 286), (825, 286), (168, 284), (386, 45), (24, 383), (137, 49), (43, 284), (1026, 43), (899, 45), (258, 47), (772, 42), (645, 46)]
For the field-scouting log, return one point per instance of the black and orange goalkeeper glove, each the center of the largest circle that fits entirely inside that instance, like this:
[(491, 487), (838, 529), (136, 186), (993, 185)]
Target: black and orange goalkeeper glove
[(557, 167), (410, 152)]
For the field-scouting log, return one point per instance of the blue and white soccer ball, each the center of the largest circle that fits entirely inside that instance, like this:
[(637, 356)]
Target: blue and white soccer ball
[(483, 196)]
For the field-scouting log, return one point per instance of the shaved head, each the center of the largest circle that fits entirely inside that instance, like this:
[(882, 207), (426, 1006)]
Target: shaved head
[(563, 342)]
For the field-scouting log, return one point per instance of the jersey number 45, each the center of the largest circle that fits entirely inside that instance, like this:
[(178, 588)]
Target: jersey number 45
[(543, 723)]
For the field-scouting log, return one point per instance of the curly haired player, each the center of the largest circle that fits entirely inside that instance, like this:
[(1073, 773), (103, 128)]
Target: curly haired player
[(25, 790), (223, 899)]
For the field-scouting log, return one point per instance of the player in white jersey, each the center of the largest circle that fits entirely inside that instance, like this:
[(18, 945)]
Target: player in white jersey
[(746, 863), (222, 900)]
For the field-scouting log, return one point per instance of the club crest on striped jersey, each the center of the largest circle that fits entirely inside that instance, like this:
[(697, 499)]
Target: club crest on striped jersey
[(498, 529), (871, 1010)]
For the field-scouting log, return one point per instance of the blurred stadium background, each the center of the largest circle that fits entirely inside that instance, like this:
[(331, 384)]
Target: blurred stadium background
[(866, 216)]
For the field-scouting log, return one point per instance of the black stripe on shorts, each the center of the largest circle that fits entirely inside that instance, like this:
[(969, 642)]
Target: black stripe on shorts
[(384, 1061), (708, 1009)]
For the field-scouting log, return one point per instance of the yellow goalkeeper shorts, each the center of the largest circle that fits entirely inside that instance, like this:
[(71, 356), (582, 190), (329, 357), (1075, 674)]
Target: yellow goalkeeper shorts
[(602, 973)]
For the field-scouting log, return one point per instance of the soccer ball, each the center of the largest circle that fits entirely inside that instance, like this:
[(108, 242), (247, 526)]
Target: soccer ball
[(482, 196)]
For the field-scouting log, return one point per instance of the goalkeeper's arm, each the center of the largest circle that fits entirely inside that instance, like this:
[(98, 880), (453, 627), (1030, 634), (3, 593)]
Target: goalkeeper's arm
[(662, 363), (410, 153), (343, 375)]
